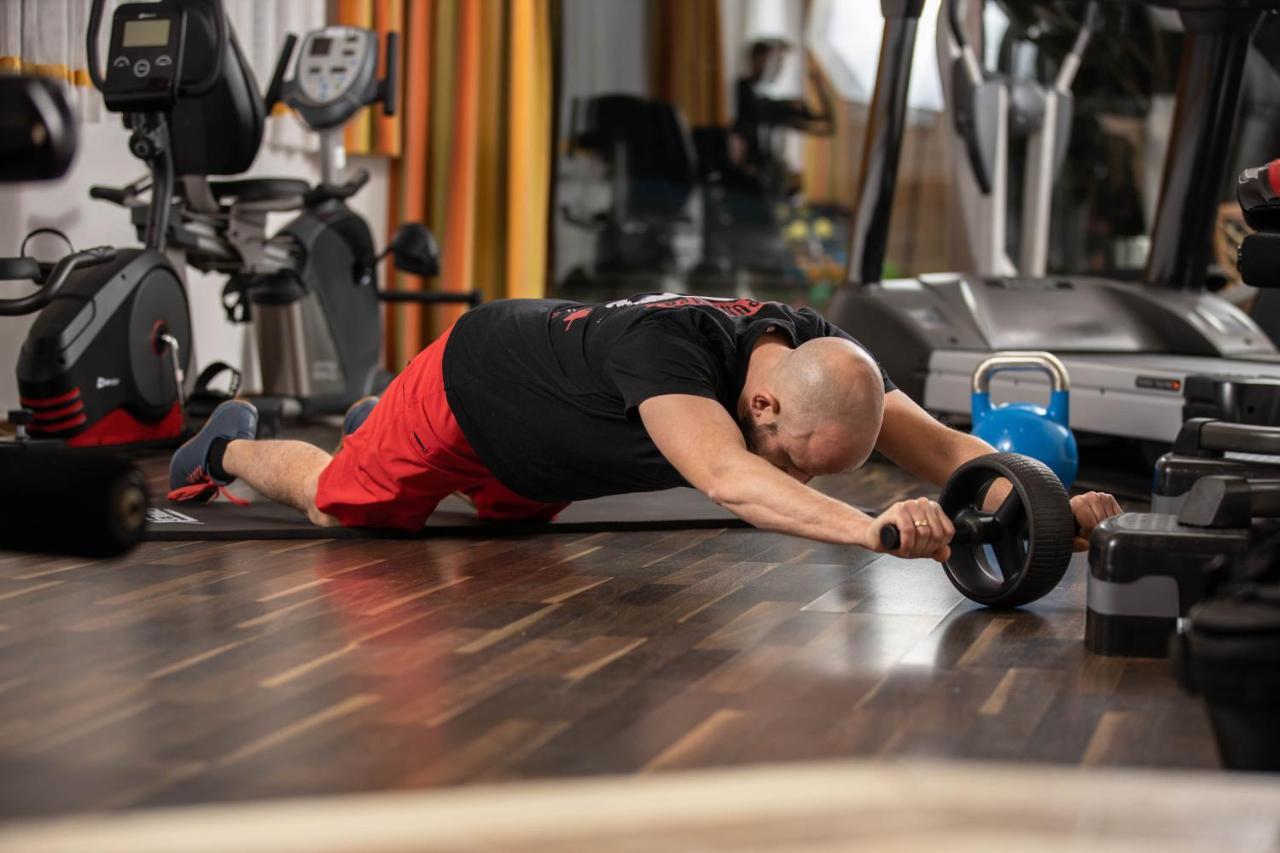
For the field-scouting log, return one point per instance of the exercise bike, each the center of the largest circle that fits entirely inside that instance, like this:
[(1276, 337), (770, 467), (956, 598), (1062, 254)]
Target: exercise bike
[(310, 289), (104, 362)]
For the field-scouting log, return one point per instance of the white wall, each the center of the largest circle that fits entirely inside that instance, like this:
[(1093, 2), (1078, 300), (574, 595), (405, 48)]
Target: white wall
[(104, 158)]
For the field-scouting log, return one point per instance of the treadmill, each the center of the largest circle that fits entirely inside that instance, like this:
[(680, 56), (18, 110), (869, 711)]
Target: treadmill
[(1131, 349)]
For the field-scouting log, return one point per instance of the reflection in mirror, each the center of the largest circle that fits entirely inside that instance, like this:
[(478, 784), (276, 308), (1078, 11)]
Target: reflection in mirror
[(715, 146)]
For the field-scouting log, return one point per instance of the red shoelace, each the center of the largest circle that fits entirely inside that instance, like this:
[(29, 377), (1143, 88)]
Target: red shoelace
[(200, 486)]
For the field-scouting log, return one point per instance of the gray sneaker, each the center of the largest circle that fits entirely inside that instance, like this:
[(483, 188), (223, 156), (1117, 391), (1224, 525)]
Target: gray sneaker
[(358, 414), (189, 477)]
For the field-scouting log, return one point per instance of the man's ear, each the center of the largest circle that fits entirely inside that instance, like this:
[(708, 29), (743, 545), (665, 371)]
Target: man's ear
[(764, 407)]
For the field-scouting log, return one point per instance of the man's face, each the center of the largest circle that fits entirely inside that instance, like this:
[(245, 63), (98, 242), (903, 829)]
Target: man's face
[(766, 63), (826, 450)]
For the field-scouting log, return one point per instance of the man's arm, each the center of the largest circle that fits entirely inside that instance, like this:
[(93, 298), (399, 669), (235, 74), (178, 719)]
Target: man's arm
[(701, 441), (914, 440)]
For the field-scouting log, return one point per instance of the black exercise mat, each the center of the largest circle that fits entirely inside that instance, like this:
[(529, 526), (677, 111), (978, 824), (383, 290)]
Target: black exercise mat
[(673, 509)]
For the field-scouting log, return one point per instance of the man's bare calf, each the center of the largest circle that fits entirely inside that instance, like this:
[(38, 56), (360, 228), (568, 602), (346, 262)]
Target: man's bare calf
[(286, 472)]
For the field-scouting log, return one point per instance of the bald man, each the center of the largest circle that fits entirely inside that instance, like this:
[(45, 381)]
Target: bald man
[(527, 405)]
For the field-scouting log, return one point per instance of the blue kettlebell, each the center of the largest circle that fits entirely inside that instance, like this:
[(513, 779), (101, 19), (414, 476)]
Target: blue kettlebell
[(1026, 428)]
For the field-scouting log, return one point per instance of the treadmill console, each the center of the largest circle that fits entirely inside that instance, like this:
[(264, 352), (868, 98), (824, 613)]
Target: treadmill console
[(336, 74), (144, 59)]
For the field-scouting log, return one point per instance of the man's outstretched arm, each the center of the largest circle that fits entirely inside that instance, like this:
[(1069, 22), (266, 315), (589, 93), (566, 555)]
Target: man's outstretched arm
[(701, 441), (917, 442)]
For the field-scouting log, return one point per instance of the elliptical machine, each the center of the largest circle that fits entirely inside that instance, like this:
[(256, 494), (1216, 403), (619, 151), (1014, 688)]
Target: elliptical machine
[(104, 362), (993, 110)]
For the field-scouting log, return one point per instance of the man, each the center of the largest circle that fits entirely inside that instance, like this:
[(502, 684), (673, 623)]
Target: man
[(757, 116), (526, 405)]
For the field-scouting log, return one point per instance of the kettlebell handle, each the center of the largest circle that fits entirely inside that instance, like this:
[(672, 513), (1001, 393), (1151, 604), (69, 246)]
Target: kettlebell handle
[(1043, 362)]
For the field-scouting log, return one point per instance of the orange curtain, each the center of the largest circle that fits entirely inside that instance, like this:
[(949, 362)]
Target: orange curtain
[(530, 114), (470, 148), (689, 64)]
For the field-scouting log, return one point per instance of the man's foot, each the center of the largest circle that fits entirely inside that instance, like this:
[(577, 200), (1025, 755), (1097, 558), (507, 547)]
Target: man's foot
[(358, 414), (191, 477)]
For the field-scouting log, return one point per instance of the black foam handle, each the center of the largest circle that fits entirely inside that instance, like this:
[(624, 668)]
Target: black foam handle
[(1259, 260), (391, 80), (276, 89), (891, 537), (59, 500), (432, 297)]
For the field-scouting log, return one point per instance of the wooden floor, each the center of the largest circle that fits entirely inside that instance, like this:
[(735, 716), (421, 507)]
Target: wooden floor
[(209, 672)]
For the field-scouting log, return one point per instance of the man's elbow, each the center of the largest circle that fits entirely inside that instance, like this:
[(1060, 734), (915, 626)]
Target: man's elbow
[(723, 491)]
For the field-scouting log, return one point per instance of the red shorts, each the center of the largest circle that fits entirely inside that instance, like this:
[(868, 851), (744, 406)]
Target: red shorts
[(409, 455)]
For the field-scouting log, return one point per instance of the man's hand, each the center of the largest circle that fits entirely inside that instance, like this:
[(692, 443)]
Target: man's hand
[(1090, 510), (924, 530)]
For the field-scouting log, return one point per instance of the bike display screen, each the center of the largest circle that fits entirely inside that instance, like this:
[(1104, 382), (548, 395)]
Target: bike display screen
[(153, 32), (321, 47)]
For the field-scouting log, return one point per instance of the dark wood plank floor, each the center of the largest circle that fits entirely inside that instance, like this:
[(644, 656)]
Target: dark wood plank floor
[(196, 672)]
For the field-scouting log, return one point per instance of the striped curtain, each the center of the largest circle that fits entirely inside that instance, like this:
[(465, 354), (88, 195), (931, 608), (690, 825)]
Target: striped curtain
[(689, 67), (471, 145)]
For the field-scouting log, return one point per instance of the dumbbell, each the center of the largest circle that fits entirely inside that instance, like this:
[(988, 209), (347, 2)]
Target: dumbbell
[(1016, 554)]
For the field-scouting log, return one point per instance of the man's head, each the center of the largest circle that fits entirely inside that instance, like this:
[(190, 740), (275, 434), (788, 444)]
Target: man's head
[(816, 409), (764, 58)]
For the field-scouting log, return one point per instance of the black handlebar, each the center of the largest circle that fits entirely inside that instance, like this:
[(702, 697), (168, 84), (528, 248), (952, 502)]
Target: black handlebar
[(91, 44), (276, 88), (432, 297), (389, 89), (111, 194), (57, 278)]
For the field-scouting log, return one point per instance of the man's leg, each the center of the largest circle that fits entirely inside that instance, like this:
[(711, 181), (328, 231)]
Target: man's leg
[(225, 450), (287, 472), (495, 502)]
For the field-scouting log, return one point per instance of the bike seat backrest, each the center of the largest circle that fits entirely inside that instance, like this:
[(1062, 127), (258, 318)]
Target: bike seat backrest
[(220, 132)]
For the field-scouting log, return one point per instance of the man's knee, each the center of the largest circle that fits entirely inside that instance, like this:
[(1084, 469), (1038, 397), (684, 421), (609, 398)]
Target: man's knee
[(322, 519), (317, 516)]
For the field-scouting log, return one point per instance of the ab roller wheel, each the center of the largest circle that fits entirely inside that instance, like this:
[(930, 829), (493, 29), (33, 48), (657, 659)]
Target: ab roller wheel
[(1019, 552)]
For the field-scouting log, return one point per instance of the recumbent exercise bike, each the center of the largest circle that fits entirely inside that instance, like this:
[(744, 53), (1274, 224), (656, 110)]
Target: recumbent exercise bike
[(106, 360)]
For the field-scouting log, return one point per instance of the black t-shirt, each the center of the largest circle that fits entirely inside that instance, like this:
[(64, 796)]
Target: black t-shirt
[(546, 391)]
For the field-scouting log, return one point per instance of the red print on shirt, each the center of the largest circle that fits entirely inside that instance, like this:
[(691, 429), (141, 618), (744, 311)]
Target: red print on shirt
[(576, 314), (732, 307)]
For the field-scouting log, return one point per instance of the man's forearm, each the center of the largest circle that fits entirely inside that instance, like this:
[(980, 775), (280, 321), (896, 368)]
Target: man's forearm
[(764, 497), (957, 449)]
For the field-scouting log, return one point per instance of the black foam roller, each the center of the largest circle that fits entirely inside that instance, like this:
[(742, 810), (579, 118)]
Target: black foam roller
[(59, 500)]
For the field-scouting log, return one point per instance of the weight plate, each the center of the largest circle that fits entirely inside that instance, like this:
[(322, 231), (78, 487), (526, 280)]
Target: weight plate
[(1034, 549)]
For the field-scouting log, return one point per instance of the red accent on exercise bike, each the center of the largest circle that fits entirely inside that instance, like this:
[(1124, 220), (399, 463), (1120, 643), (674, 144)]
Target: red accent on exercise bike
[(120, 427), (56, 428), (52, 415), (46, 402), (1273, 176)]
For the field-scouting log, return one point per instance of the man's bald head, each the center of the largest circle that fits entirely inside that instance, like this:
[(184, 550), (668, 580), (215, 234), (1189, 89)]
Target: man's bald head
[(818, 409), (827, 380)]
